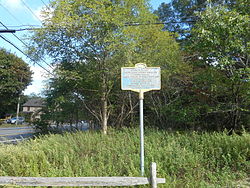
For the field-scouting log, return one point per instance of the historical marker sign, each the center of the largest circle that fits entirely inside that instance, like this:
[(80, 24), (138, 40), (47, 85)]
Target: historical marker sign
[(141, 77)]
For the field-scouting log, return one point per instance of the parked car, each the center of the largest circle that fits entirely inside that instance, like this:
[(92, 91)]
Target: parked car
[(13, 120)]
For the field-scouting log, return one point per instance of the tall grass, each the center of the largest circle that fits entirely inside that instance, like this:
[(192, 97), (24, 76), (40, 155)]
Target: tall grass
[(184, 159)]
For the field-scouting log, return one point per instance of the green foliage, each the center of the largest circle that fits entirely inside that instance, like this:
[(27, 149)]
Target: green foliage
[(221, 41), (42, 126), (15, 76), (206, 86), (222, 36), (215, 39), (90, 42), (181, 15), (184, 159)]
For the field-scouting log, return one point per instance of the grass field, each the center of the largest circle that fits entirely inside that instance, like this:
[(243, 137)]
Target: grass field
[(184, 159)]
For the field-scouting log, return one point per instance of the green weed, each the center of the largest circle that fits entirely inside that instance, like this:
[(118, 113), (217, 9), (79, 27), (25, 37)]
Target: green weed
[(184, 159)]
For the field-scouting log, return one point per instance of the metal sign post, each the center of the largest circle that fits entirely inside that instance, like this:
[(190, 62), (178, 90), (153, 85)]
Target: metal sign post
[(141, 79), (141, 97)]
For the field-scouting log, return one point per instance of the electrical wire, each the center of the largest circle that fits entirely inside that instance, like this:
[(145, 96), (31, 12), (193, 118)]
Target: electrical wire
[(24, 43), (25, 54), (28, 25), (21, 23), (126, 24), (10, 13), (155, 23), (45, 4), (31, 10)]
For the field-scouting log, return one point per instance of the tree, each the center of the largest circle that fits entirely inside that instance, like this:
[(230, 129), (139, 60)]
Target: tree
[(215, 43), (15, 76), (181, 15), (63, 104), (221, 41), (90, 41)]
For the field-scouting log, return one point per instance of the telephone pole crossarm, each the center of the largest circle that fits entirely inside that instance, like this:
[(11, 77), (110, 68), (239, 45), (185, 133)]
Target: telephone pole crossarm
[(7, 31)]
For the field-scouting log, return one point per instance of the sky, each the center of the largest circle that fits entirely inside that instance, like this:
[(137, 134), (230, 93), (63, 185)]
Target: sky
[(16, 14)]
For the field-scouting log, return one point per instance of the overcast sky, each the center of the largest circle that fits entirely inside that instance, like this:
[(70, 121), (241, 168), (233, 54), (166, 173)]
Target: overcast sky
[(26, 13)]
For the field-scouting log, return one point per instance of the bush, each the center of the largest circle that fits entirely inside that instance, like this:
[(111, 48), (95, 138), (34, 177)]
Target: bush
[(184, 159)]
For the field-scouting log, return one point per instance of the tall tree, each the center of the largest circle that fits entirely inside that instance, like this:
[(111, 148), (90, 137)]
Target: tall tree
[(180, 15), (215, 42), (91, 41), (15, 76), (221, 41)]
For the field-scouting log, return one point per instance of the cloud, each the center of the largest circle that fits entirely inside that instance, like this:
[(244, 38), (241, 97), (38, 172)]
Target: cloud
[(39, 12), (38, 72), (12, 4), (33, 89), (39, 77)]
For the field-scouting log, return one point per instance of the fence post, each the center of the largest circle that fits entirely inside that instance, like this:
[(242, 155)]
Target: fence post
[(153, 180)]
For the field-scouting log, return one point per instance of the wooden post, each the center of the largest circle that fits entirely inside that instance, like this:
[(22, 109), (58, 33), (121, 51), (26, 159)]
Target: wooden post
[(153, 180)]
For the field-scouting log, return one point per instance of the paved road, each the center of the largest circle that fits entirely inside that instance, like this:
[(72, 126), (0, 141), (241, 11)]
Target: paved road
[(15, 133)]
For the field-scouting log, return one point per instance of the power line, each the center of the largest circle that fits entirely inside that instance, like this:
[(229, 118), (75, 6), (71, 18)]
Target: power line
[(45, 4), (30, 10), (24, 43), (126, 24), (156, 23), (27, 25), (25, 54), (10, 13), (29, 29), (7, 10), (13, 31)]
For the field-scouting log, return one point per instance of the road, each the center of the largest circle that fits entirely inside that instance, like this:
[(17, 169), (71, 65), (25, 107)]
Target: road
[(14, 134), (11, 134)]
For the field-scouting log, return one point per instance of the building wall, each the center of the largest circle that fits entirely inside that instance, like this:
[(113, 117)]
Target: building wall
[(31, 109), (25, 109)]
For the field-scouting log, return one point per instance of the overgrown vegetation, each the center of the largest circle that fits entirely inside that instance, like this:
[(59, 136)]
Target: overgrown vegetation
[(184, 159), (202, 49)]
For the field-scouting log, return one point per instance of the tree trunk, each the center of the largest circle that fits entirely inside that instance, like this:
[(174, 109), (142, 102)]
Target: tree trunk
[(104, 107), (131, 110), (104, 114)]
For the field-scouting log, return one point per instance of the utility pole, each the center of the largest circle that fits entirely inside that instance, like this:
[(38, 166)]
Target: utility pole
[(18, 109), (18, 104)]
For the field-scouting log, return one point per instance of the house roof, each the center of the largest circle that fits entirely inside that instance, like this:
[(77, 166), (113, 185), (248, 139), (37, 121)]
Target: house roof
[(38, 102)]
